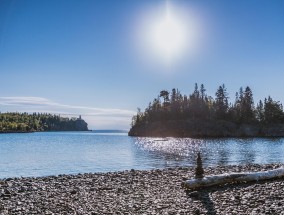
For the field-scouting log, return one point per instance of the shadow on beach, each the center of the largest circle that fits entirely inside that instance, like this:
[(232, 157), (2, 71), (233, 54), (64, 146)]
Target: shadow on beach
[(204, 196)]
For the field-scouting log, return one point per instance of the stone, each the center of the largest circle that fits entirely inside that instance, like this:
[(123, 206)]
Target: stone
[(140, 192)]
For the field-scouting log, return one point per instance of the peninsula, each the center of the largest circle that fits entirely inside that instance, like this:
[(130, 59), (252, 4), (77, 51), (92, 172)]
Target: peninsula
[(200, 115), (24, 122)]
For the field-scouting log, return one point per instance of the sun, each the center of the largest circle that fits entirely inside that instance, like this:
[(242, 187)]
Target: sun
[(168, 36)]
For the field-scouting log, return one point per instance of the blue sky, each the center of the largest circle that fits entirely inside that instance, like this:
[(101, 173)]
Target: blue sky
[(83, 57)]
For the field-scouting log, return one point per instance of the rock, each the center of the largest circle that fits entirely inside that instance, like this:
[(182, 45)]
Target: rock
[(196, 211), (139, 192), (6, 191), (73, 192)]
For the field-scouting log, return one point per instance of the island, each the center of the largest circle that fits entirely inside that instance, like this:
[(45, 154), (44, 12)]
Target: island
[(200, 115), (14, 122)]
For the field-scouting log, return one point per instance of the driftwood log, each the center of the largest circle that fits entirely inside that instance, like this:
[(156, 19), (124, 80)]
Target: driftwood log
[(215, 180)]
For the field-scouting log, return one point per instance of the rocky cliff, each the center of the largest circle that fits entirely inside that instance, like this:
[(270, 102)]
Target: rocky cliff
[(81, 125)]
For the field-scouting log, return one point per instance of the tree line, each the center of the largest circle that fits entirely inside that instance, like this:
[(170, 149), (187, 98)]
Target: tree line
[(198, 105), (25, 122)]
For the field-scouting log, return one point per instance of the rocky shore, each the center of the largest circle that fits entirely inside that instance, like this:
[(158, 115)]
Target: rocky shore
[(140, 192)]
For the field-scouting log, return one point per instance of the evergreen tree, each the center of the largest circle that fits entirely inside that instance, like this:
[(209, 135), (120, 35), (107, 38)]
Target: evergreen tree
[(175, 106), (196, 91), (24, 122), (165, 95), (202, 92), (260, 111), (273, 111), (221, 102), (247, 106)]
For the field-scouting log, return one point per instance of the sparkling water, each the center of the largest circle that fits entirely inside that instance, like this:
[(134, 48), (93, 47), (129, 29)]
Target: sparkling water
[(53, 153)]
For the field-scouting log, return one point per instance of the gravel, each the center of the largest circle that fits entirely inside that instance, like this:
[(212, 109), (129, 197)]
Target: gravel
[(140, 192)]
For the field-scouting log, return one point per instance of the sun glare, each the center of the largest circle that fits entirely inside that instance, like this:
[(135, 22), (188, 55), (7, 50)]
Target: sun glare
[(167, 35)]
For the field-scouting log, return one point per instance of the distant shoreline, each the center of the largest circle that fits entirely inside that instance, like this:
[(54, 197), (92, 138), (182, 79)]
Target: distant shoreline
[(15, 122), (16, 132), (19, 132)]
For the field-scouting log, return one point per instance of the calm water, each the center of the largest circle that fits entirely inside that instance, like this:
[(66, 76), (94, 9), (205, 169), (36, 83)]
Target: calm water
[(41, 154)]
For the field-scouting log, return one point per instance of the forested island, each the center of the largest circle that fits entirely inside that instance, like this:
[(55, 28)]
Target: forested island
[(25, 122), (200, 115)]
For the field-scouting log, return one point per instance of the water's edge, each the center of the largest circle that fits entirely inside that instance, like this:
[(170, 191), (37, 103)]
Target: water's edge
[(54, 153)]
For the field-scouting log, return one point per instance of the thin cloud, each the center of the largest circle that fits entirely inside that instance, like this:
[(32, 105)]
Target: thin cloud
[(99, 118), (46, 105)]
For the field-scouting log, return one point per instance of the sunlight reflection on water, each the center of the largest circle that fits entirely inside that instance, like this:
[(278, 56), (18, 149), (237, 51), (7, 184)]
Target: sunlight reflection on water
[(176, 146), (49, 153), (226, 151)]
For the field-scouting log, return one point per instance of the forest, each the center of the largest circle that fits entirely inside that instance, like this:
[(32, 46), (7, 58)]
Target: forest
[(200, 107), (25, 122)]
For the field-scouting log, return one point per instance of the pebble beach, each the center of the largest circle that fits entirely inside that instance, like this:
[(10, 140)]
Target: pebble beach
[(141, 192)]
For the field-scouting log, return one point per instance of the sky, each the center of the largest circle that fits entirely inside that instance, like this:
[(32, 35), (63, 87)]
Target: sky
[(103, 59)]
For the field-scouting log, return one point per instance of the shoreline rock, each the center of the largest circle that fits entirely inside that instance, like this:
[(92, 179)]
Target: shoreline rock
[(205, 129), (140, 192)]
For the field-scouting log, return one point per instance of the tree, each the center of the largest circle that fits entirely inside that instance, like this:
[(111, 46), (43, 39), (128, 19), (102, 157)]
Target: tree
[(196, 91), (173, 96), (24, 122), (260, 111), (174, 101), (273, 111), (247, 106), (221, 102), (202, 92), (198, 106), (165, 95)]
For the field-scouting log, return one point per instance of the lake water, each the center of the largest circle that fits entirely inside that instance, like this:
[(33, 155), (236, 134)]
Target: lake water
[(53, 153)]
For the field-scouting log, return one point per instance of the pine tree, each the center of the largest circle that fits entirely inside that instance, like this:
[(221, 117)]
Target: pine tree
[(202, 92), (247, 106), (260, 111), (273, 111), (221, 102)]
